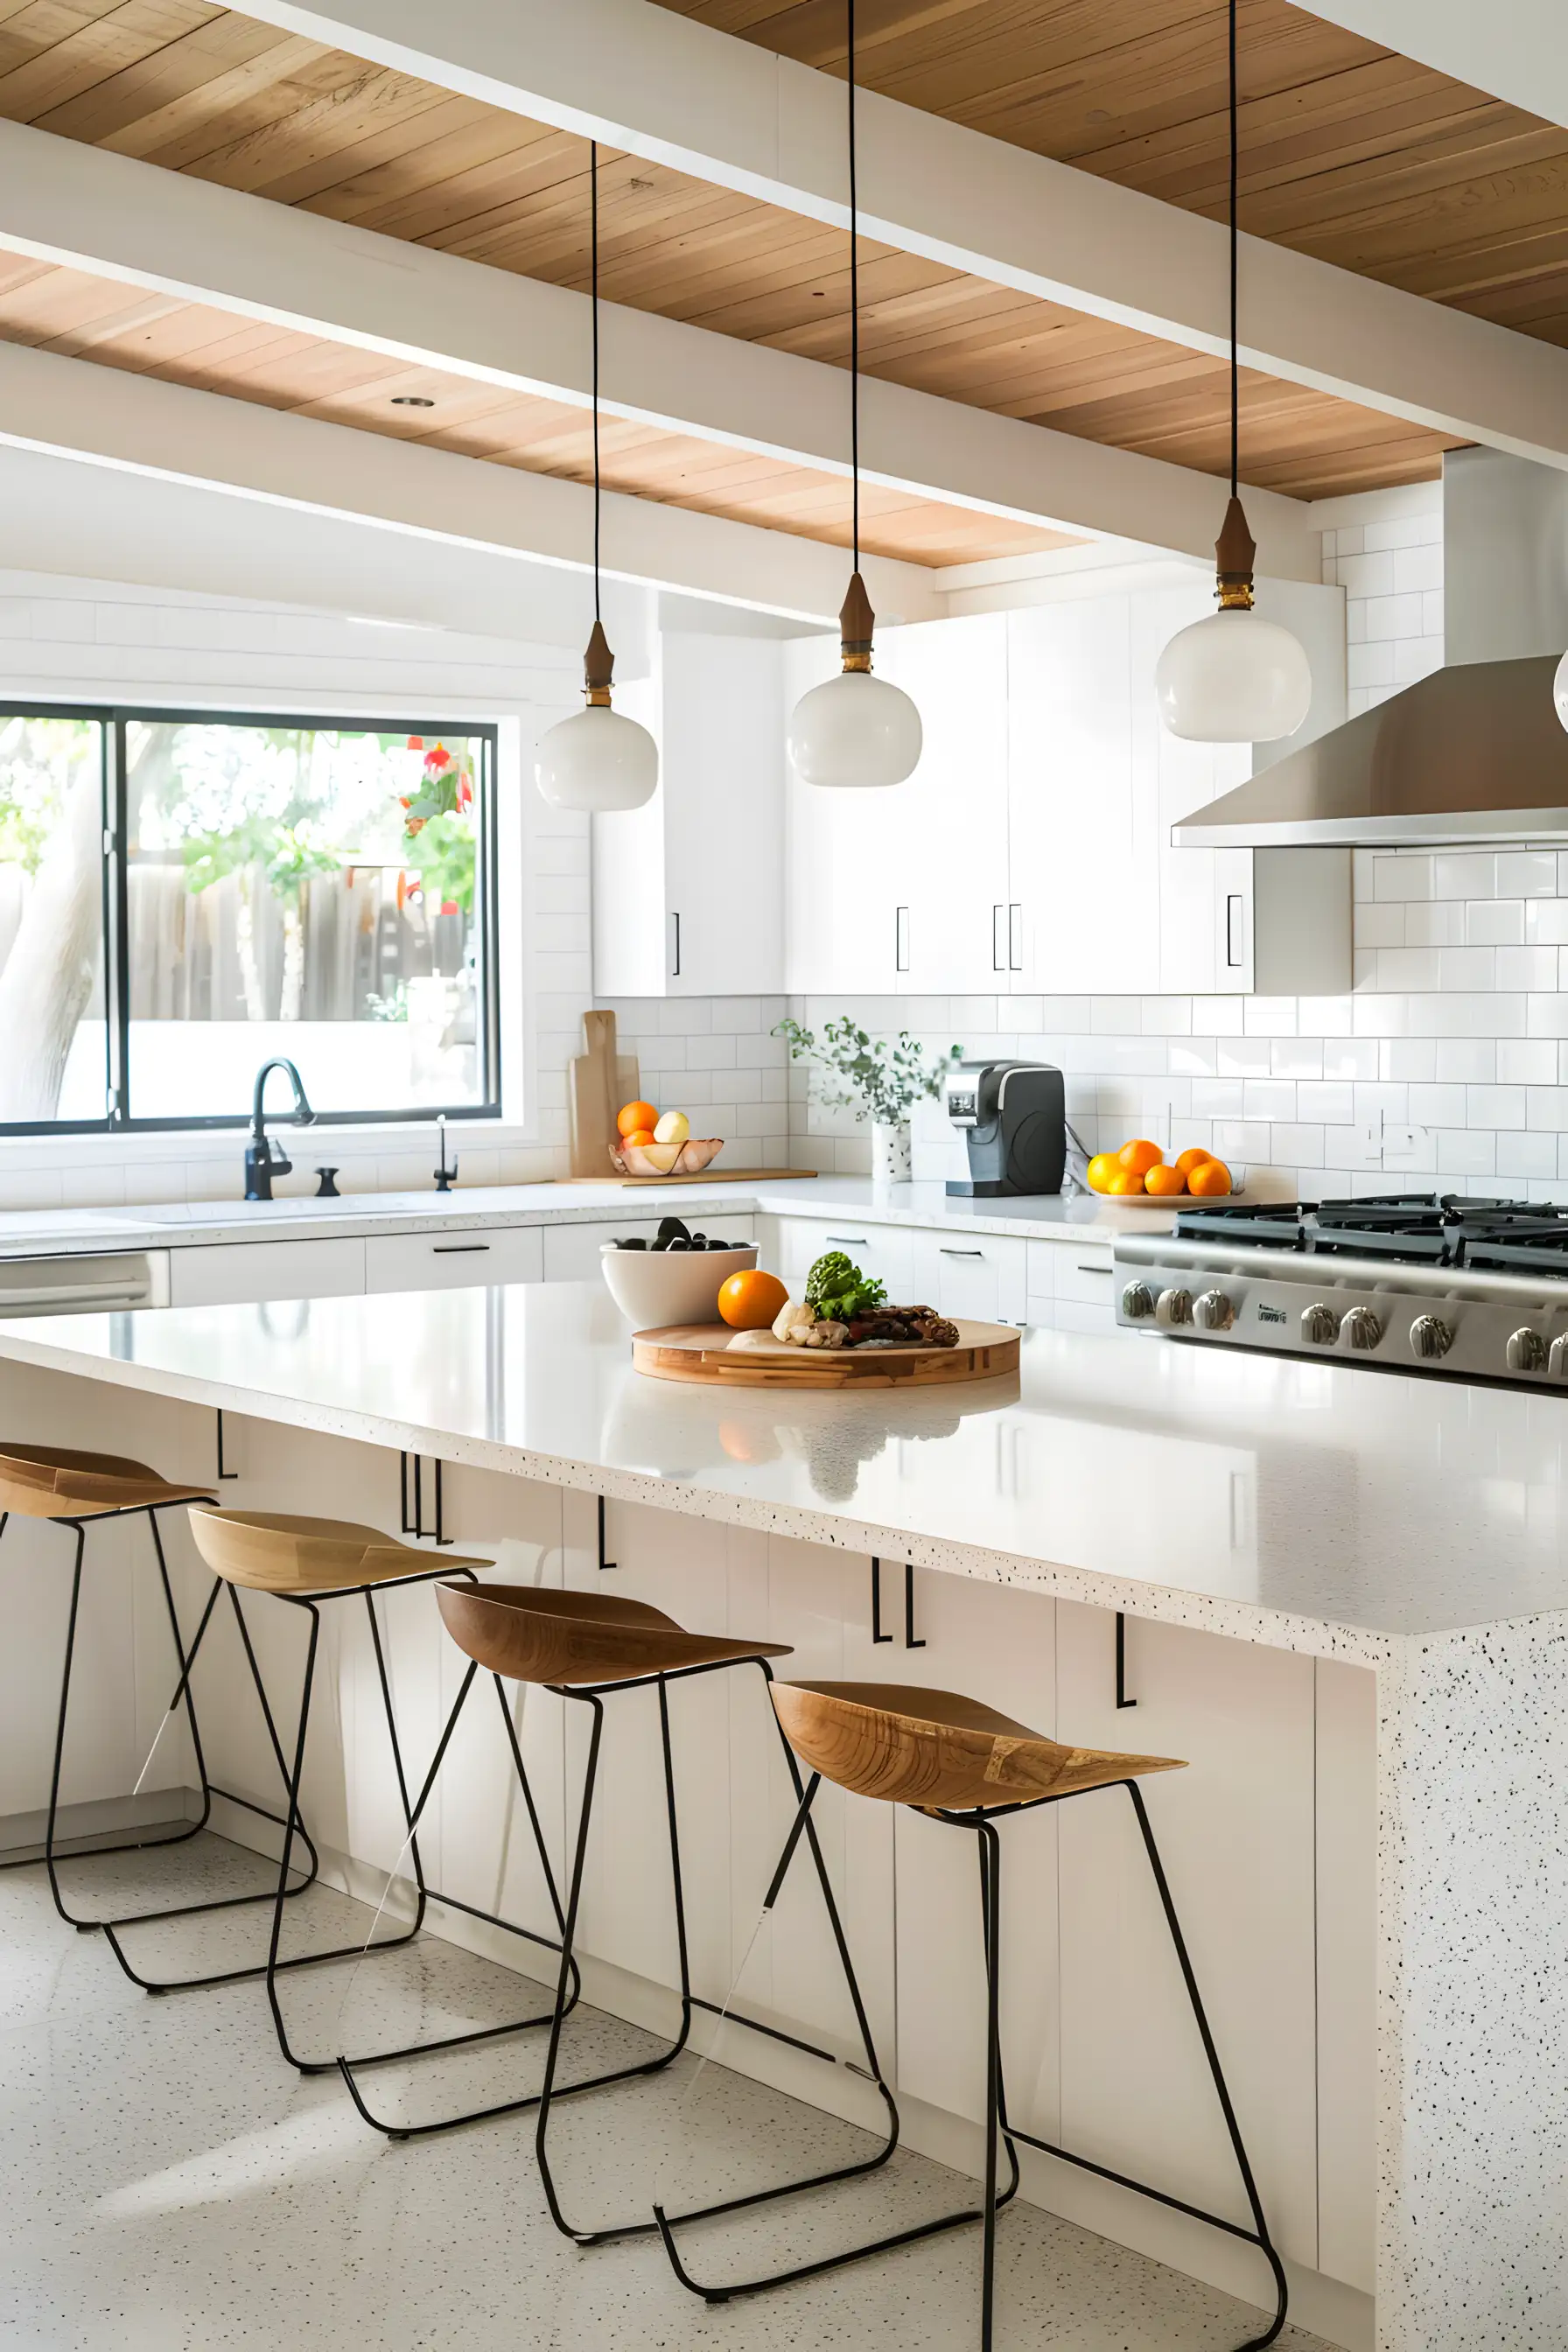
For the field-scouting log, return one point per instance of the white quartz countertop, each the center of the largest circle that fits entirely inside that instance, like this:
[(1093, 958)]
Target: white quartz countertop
[(301, 1217), (1313, 1506)]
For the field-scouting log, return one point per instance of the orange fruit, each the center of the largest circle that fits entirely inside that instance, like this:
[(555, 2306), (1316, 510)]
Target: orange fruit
[(638, 1139), (751, 1299), (1164, 1181), (1211, 1181), (1194, 1157), (1125, 1181), (1101, 1168), (1139, 1156), (635, 1115)]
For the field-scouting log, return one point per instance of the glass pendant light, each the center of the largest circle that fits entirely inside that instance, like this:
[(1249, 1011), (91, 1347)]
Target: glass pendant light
[(855, 730), (1234, 677), (597, 760)]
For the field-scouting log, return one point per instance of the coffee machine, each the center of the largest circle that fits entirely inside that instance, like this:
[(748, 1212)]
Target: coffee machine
[(1012, 1117)]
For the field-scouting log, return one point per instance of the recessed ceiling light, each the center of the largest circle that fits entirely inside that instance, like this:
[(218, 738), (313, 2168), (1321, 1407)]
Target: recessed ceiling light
[(411, 400)]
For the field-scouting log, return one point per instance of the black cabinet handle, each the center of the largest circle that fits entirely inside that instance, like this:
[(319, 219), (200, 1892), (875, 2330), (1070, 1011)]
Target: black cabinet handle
[(456, 1249)]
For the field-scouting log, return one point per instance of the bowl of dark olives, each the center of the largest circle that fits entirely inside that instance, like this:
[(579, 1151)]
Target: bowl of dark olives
[(674, 1278)]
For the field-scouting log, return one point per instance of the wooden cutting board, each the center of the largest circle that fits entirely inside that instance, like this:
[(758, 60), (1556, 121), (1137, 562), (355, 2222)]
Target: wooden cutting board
[(602, 1080), (708, 1352)]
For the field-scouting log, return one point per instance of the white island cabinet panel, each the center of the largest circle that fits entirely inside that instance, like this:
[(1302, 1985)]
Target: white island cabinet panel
[(998, 1646), (1237, 1833), (884, 1254), (954, 936), (441, 1261), (228, 1273), (1347, 1973)]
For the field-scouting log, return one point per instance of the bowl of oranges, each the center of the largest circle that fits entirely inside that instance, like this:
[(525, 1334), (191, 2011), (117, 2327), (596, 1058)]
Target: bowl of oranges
[(650, 1142), (1139, 1173)]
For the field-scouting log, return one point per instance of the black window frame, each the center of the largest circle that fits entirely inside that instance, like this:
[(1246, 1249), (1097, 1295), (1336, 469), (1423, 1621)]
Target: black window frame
[(113, 718)]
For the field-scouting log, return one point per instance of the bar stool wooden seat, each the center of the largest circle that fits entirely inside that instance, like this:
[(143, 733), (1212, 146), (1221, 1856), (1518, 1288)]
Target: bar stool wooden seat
[(76, 1489), (958, 1760), (587, 1647), (306, 1562)]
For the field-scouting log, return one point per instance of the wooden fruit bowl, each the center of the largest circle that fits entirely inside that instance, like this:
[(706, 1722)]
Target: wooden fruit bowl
[(687, 1159)]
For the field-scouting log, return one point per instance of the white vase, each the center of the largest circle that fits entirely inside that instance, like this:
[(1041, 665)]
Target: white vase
[(892, 1162)]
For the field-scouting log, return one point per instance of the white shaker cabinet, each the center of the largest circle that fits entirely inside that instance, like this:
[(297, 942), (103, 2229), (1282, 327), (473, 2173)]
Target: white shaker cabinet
[(226, 1273), (447, 1261), (686, 889), (846, 915)]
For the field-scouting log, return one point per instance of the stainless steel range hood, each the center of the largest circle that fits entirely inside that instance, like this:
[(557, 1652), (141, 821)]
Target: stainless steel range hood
[(1475, 751)]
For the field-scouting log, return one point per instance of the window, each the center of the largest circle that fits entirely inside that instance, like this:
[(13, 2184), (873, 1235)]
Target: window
[(304, 887)]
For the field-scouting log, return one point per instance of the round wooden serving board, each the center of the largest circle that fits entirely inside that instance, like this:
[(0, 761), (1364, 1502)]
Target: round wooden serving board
[(713, 1352)]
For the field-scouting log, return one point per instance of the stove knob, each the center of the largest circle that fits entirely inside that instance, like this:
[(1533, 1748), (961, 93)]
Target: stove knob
[(1361, 1329), (1173, 1306), (1137, 1302), (1214, 1311), (1320, 1326), (1557, 1357), (1430, 1337), (1527, 1352)]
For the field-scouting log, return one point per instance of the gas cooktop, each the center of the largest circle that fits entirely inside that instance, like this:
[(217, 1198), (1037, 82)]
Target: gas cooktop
[(1414, 1282)]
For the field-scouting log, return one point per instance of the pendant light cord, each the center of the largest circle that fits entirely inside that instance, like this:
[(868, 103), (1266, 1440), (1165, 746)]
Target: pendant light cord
[(855, 307), (1235, 371), (593, 269)]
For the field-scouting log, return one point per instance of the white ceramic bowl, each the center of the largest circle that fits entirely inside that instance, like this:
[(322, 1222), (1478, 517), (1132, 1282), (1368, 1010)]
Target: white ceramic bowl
[(654, 1288)]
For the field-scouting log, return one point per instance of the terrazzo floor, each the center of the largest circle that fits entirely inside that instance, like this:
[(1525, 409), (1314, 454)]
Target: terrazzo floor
[(167, 2184)]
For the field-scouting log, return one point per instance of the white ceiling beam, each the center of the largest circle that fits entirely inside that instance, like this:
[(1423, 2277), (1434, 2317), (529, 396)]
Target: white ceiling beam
[(90, 209), (105, 417), (726, 112), (1518, 52)]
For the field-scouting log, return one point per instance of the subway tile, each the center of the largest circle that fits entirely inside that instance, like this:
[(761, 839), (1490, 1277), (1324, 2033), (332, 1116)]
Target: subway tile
[(1408, 1058), (1413, 968), (1495, 1107), (1380, 923), (1216, 1016), (1217, 1097), (1329, 1101), (1530, 873), (1472, 1061), (1363, 867), (1464, 1152), (1350, 1057), (1529, 1062), (1527, 968), (1195, 1057), (1402, 876), (1469, 874), (965, 1013), (737, 1015), (1472, 1015), (1547, 1107), (1435, 1106), (1470, 968), (1494, 922), (1166, 1016), (1114, 1015), (1546, 1017), (1366, 575), (1323, 1016), (686, 1016), (1380, 1100), (1369, 666), (1417, 568), (1522, 1156), (1297, 1146), (1351, 539), (709, 1053), (1268, 1016), (1434, 923), (1376, 1014), (1243, 1056), (1434, 620), (1546, 922), (1296, 1057), (1241, 1140), (1269, 1098), (1393, 616)]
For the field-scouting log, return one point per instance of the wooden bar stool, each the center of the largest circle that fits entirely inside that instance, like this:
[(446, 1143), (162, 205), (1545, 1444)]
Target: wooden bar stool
[(308, 1561), (960, 1762), (585, 1646), (74, 1490)]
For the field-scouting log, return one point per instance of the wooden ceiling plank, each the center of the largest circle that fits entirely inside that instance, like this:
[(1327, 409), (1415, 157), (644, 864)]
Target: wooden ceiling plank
[(134, 31)]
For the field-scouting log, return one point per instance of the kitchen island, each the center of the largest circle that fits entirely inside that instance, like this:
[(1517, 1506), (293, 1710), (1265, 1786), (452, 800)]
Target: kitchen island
[(1287, 1539)]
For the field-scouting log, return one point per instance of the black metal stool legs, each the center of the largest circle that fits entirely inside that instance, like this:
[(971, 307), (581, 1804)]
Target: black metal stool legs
[(350, 2068)]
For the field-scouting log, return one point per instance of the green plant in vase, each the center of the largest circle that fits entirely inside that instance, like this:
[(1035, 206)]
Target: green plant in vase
[(881, 1079)]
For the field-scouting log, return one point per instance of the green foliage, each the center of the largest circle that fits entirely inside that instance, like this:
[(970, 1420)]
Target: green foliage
[(882, 1078), (840, 1291), (289, 855), (445, 855), (38, 758)]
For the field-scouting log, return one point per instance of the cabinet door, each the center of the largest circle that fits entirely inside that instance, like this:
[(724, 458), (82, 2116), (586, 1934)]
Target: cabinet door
[(1237, 1833), (952, 815), (224, 1273), (984, 1281), (844, 865), (1172, 778), (572, 1251), (723, 760), (883, 1253), (1083, 852), (443, 1261)]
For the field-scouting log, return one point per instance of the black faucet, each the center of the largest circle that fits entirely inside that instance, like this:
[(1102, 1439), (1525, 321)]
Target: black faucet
[(262, 1160)]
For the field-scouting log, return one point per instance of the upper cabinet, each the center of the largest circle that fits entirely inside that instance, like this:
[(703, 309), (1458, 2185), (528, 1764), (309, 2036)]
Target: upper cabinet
[(1030, 851), (686, 889)]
